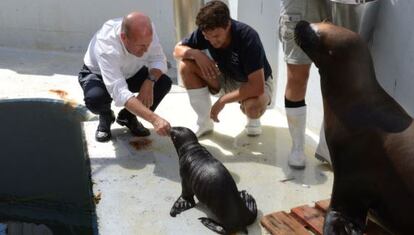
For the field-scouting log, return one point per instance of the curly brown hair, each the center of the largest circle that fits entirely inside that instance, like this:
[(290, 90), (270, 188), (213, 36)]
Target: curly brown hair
[(215, 14)]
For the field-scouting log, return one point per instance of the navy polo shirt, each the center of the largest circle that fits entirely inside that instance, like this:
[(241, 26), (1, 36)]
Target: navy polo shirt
[(243, 56)]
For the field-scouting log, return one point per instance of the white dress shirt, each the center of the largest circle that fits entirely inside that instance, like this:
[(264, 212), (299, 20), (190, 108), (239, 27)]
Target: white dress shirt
[(107, 56)]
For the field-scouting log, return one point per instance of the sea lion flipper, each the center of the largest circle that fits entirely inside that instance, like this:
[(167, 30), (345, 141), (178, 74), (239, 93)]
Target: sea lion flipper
[(182, 204), (249, 201), (213, 225), (337, 223)]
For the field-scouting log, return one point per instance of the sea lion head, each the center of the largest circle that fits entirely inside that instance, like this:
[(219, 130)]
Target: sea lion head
[(182, 137), (328, 45)]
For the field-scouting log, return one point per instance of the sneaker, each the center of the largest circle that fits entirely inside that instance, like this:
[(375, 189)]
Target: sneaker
[(253, 127), (103, 136), (134, 126), (103, 133), (297, 159)]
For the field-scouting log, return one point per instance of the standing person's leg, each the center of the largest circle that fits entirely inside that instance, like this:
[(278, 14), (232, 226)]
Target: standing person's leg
[(199, 95), (98, 101), (298, 66), (295, 107)]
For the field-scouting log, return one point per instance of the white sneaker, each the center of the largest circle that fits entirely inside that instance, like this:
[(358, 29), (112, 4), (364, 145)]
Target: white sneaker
[(253, 127), (205, 129), (297, 159)]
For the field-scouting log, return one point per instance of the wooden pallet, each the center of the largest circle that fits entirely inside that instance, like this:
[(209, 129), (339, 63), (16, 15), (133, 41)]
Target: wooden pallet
[(305, 220)]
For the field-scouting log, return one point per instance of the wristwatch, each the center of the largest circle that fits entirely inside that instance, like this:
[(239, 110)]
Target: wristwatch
[(151, 78)]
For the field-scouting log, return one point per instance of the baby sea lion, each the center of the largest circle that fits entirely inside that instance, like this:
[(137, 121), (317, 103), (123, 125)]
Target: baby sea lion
[(205, 177)]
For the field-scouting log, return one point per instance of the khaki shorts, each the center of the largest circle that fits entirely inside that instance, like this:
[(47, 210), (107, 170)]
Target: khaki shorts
[(228, 85), (291, 12)]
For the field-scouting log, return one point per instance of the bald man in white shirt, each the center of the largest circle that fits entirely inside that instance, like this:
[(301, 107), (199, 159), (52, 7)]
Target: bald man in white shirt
[(124, 57)]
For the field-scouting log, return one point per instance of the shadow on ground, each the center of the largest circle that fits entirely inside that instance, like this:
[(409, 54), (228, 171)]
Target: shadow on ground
[(271, 148)]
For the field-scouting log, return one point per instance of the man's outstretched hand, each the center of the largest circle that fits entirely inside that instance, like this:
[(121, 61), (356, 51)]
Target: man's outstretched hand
[(161, 126)]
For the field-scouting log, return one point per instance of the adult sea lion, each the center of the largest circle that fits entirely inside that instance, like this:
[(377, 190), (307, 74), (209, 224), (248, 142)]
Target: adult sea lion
[(205, 177), (369, 135)]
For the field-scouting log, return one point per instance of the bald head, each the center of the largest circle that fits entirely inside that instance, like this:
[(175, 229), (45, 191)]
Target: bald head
[(136, 33), (136, 24)]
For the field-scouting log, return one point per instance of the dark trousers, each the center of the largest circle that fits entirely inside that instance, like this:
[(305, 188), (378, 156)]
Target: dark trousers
[(97, 98)]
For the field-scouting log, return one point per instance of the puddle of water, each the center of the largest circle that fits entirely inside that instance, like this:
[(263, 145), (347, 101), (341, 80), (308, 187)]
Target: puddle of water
[(140, 143)]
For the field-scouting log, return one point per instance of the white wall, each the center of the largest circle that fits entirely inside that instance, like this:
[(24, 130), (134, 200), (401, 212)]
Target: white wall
[(393, 51), (263, 16), (69, 25)]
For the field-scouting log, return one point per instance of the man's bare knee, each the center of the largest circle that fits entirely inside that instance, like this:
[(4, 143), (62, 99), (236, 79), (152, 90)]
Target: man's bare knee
[(190, 78), (187, 68)]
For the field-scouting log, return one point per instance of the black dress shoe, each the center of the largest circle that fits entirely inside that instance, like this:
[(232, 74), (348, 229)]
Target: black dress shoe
[(103, 136), (126, 118), (103, 133), (134, 126)]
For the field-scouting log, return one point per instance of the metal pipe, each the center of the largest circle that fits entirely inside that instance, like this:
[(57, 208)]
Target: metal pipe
[(356, 15)]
